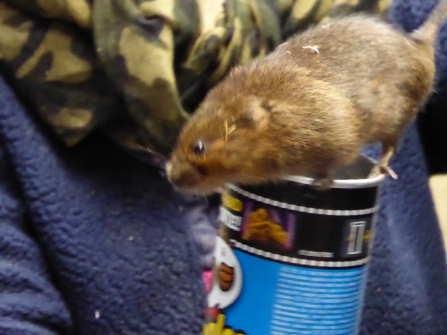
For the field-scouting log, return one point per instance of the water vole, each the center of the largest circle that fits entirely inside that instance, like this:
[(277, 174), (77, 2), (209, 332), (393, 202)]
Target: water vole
[(308, 107)]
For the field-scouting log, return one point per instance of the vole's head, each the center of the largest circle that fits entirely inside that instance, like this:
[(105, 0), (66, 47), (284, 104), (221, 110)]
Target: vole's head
[(225, 141)]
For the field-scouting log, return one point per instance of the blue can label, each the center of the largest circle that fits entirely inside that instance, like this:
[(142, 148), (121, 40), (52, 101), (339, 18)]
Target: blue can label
[(284, 269)]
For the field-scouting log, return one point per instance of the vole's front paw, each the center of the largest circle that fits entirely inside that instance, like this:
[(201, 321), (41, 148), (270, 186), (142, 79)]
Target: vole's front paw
[(323, 183)]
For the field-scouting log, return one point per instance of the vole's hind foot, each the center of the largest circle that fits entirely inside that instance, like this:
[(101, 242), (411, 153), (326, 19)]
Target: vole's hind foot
[(323, 183), (382, 166), (389, 171), (382, 169)]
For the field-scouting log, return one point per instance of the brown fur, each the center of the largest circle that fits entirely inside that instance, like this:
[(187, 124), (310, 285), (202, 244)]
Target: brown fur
[(309, 106)]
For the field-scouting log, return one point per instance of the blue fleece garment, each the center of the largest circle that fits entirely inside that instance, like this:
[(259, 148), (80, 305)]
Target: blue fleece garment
[(93, 242), (409, 15), (407, 282)]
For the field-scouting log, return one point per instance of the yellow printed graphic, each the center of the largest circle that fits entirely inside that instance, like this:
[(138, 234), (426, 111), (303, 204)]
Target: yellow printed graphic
[(219, 328), (231, 202), (367, 235), (262, 228)]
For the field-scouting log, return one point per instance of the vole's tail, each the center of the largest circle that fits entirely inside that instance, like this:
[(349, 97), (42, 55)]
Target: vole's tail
[(429, 29)]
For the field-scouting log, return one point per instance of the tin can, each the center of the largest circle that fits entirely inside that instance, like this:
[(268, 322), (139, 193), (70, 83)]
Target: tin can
[(290, 259)]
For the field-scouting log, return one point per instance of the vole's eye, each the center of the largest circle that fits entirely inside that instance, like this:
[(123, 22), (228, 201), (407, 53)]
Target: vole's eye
[(199, 147)]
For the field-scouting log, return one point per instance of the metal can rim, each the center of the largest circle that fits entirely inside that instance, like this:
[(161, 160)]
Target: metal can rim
[(344, 183)]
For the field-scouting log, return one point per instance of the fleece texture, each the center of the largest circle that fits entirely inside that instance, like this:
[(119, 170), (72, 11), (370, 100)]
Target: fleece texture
[(409, 15), (94, 242)]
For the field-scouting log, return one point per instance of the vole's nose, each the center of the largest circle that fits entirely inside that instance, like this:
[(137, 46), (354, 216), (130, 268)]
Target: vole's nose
[(180, 175)]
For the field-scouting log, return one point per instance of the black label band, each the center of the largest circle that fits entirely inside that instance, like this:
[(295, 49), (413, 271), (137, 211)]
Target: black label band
[(283, 233)]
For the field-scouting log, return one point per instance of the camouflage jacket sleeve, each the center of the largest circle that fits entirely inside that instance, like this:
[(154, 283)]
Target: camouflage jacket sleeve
[(135, 69)]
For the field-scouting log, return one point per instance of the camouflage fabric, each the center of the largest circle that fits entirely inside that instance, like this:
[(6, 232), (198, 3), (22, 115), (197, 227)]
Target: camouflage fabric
[(135, 69)]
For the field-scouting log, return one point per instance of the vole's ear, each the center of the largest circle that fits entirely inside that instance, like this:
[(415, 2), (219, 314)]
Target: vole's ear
[(256, 114)]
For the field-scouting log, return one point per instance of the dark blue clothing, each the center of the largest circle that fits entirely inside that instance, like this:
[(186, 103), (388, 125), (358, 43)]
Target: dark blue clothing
[(94, 242), (408, 15)]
